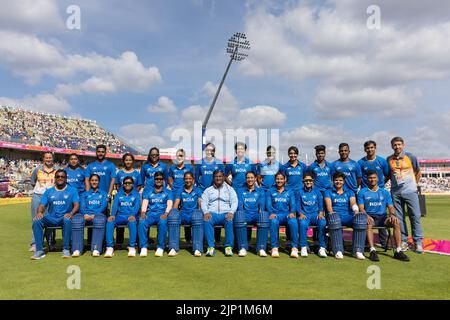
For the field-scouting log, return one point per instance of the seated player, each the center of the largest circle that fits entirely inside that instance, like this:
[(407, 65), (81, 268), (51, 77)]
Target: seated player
[(156, 204), (186, 210), (93, 205), (62, 203), (343, 211), (310, 212), (124, 211), (219, 203), (280, 203), (251, 205), (373, 200)]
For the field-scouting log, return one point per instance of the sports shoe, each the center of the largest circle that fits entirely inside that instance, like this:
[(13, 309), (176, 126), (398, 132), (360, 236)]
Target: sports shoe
[(172, 253), (109, 252), (38, 255), (401, 256), (76, 254), (96, 253), (143, 252), (419, 248), (339, 255), (210, 252), (65, 254), (32, 248), (304, 252), (262, 253), (197, 253), (322, 252), (359, 256), (159, 252), (405, 246), (131, 252), (275, 253), (294, 253), (373, 256), (242, 252), (228, 251)]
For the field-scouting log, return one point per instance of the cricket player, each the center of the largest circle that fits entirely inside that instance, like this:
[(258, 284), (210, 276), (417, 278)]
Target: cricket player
[(75, 174), (321, 170), (128, 171), (152, 166), (349, 167), (239, 167), (267, 169), (373, 162)]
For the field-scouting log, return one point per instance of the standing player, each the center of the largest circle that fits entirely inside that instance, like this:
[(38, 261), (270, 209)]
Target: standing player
[(124, 211), (343, 211), (267, 169), (157, 202), (186, 210), (62, 203), (42, 178), (152, 166), (280, 203), (372, 162), (294, 170), (128, 171), (251, 209), (310, 212), (75, 174), (320, 170), (239, 167), (373, 200), (405, 175), (349, 167), (93, 205)]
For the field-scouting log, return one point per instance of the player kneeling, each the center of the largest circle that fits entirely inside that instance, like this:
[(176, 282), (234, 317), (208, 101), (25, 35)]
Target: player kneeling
[(310, 210), (125, 211), (93, 204), (186, 210), (373, 200)]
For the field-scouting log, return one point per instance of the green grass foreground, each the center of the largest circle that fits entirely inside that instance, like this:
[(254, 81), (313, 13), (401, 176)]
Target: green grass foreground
[(185, 277)]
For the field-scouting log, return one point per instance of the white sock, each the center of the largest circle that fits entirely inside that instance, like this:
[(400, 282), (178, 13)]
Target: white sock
[(398, 249), (373, 249)]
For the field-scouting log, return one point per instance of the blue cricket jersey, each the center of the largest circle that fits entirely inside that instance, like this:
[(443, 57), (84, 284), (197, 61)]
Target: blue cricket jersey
[(157, 202), (122, 174), (251, 201), (375, 202), (126, 204), (340, 202), (188, 200), (309, 201), (322, 176), (106, 171), (177, 174), (277, 202), (93, 202), (352, 172), (379, 165), (148, 173), (267, 172), (75, 178), (204, 172), (60, 202), (238, 171), (294, 175)]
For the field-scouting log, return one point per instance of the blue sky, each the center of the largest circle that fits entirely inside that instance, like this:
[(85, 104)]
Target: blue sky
[(315, 70)]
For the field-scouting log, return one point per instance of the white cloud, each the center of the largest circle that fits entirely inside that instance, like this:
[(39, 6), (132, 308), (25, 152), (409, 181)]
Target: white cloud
[(164, 105), (261, 117), (43, 102), (142, 135)]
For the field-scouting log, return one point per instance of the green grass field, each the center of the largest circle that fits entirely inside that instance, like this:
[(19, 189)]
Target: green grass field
[(185, 277)]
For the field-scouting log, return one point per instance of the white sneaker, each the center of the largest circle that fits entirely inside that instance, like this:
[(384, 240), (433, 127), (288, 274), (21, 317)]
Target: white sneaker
[(172, 253), (242, 252), (275, 253), (76, 254), (405, 246), (96, 253), (197, 253), (322, 252), (131, 252), (294, 253), (262, 253), (359, 256), (304, 252), (159, 252), (109, 252), (32, 248), (143, 252), (339, 255)]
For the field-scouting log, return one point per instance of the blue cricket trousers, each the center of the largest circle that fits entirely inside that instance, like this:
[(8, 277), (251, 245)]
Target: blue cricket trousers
[(50, 220), (121, 220), (219, 219), (144, 225)]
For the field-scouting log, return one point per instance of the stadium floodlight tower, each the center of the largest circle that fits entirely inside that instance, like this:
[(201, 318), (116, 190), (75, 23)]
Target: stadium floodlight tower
[(237, 45)]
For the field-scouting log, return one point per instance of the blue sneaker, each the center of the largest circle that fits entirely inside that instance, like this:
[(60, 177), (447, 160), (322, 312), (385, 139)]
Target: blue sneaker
[(65, 254), (38, 255)]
